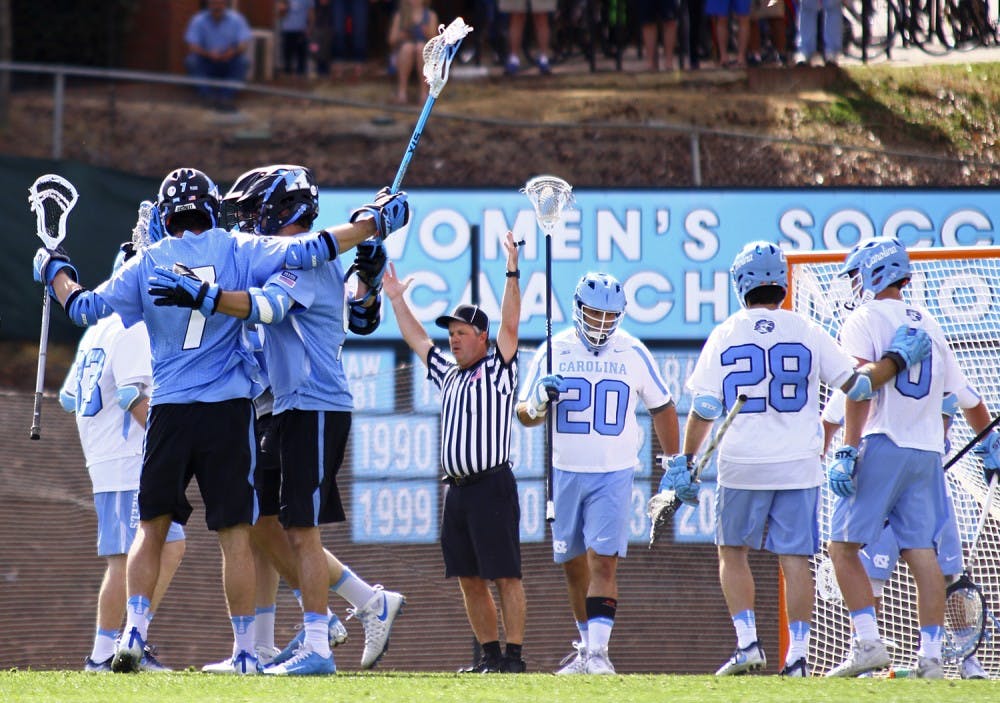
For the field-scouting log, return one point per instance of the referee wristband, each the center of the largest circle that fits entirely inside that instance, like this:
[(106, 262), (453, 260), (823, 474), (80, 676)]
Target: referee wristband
[(514, 274)]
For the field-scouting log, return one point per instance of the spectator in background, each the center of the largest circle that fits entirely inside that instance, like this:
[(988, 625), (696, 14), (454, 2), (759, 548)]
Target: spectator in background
[(350, 36), (696, 24), (654, 15), (218, 39), (767, 32), (806, 28), (518, 11), (296, 19), (718, 11), (412, 25), (323, 35)]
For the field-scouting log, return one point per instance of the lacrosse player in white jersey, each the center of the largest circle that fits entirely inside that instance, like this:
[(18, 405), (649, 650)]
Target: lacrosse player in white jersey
[(890, 463), (879, 558), (600, 372), (107, 389), (769, 468)]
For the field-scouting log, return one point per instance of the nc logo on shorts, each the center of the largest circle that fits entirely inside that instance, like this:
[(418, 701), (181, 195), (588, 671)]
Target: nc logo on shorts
[(881, 561), (763, 326), (559, 546), (913, 314)]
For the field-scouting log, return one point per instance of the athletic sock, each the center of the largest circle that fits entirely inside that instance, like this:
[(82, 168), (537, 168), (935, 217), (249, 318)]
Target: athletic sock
[(104, 645), (243, 633), (264, 627), (316, 626), (600, 621), (582, 628), (491, 650), (865, 624), (930, 641), (745, 623), (136, 609), (513, 651), (352, 589), (798, 641)]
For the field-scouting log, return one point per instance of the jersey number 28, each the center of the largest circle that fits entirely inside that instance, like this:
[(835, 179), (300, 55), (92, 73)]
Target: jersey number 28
[(787, 363)]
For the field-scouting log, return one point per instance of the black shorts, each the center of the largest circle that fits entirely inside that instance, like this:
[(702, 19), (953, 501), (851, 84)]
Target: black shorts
[(650, 11), (311, 445), (480, 528), (213, 442), (267, 475)]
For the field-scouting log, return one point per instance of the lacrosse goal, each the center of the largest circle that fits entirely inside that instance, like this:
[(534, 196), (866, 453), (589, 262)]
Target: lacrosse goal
[(961, 287)]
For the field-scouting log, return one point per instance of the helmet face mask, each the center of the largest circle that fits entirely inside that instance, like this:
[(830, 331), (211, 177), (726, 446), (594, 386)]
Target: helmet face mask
[(280, 197), (757, 265), (873, 265), (188, 190), (598, 308)]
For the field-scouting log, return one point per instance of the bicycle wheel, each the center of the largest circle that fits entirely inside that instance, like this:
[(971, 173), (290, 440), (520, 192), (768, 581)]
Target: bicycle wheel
[(923, 25), (873, 20)]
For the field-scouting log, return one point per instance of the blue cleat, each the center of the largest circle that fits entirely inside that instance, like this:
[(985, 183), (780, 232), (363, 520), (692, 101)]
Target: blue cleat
[(306, 662)]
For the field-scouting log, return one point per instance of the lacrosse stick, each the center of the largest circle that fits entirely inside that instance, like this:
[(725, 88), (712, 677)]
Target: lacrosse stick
[(972, 443), (50, 197), (549, 196), (140, 232), (964, 606), (663, 505), (438, 55)]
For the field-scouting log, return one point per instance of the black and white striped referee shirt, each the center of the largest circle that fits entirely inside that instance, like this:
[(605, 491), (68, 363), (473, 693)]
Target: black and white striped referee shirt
[(477, 409)]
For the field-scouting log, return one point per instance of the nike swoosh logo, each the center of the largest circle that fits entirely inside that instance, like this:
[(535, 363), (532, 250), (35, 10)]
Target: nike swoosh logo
[(385, 609), (603, 539)]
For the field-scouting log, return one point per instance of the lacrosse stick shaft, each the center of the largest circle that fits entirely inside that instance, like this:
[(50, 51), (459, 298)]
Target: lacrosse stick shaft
[(987, 505), (550, 506), (713, 443), (43, 346), (972, 443), (418, 130)]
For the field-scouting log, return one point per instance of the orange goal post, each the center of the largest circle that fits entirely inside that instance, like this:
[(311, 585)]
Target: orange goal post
[(960, 287)]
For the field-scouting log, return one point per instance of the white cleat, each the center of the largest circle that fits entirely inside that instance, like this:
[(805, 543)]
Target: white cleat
[(377, 617), (972, 669), (574, 662), (265, 654), (337, 632), (750, 658), (866, 655), (929, 668), (598, 662), (129, 651), (242, 664)]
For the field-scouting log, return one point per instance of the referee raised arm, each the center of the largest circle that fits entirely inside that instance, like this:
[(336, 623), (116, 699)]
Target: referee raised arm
[(480, 536)]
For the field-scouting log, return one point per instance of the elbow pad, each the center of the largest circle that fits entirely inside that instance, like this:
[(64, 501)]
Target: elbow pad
[(707, 407), (949, 405), (268, 305), (67, 400), (128, 396), (861, 388), (85, 307), (311, 251), (362, 320)]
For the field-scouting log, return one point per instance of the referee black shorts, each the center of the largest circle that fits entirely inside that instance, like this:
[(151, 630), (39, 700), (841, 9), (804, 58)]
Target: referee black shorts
[(213, 442), (311, 446), (480, 528)]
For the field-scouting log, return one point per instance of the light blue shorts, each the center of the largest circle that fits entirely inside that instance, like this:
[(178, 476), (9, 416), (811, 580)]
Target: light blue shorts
[(118, 520), (904, 485), (790, 518), (592, 512), (879, 559)]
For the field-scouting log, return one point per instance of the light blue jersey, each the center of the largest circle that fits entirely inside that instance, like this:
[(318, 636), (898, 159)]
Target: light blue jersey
[(303, 351), (196, 359)]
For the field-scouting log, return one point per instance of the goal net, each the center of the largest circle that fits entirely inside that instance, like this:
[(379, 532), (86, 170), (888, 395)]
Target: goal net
[(958, 287)]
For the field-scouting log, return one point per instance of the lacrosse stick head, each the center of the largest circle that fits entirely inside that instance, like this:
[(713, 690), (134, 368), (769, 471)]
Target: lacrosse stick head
[(549, 195), (141, 235), (51, 197), (439, 52), (660, 509)]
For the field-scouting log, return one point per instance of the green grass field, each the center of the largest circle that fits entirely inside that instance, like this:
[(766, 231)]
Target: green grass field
[(453, 688)]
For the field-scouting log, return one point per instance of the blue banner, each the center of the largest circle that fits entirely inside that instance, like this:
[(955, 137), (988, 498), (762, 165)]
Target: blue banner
[(671, 249)]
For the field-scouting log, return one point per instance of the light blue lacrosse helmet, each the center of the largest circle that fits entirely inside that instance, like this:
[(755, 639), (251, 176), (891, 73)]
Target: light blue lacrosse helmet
[(597, 294), (758, 264), (875, 264)]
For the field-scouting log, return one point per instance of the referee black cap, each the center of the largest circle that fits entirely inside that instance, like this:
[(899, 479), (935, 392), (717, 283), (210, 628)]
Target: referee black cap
[(470, 314)]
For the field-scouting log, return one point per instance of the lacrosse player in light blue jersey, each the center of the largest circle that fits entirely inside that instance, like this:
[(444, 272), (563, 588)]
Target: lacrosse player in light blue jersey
[(201, 419), (305, 332), (890, 464), (777, 358), (879, 558)]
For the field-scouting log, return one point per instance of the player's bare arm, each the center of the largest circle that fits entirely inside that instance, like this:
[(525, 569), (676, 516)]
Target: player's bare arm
[(413, 332), (510, 307)]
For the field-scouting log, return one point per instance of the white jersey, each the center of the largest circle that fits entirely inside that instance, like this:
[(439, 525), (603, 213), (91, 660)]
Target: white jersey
[(907, 410), (595, 428), (109, 356), (777, 358)]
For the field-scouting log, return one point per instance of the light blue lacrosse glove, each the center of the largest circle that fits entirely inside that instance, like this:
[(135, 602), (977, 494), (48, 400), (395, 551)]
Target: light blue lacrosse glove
[(677, 478), (841, 472), (989, 451), (545, 390), (909, 346)]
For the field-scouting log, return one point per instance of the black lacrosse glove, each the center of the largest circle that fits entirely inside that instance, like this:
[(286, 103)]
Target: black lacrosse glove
[(180, 287), (391, 212), (369, 263)]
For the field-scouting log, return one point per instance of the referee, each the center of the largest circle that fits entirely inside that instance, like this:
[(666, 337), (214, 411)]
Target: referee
[(480, 536)]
